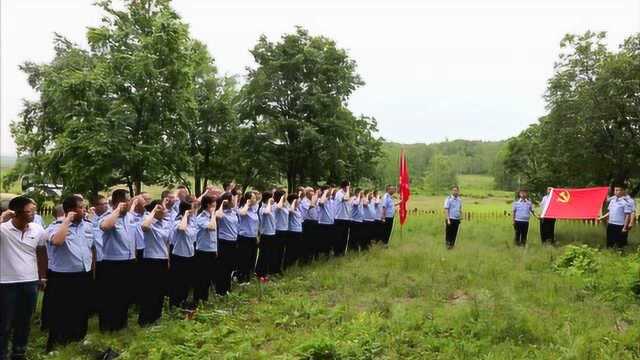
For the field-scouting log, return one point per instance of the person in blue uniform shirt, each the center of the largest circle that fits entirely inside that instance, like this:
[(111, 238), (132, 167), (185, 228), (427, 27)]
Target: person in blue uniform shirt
[(388, 212), (206, 258), (356, 229), (522, 210), (118, 263), (99, 208), (248, 222), (619, 211), (547, 224), (69, 275), (309, 212), (227, 215), (453, 215), (293, 246), (281, 214), (155, 231), (342, 203), (369, 226), (267, 231), (182, 273), (631, 219), (326, 230)]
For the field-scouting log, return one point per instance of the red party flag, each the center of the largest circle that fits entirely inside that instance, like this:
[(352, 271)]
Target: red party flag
[(575, 203), (405, 191)]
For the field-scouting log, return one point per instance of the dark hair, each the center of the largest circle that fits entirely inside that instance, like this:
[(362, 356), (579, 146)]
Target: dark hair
[(183, 207), (226, 196), (18, 203), (277, 195), (344, 183), (246, 197), (150, 206), (96, 199), (292, 197), (181, 187), (118, 196), (324, 188), (358, 190), (164, 194), (455, 187), (266, 195), (71, 202), (620, 185), (205, 202)]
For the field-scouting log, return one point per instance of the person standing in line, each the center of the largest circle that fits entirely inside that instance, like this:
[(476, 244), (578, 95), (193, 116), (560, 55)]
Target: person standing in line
[(119, 256), (369, 208), (356, 213), (380, 228), (618, 218), (309, 211), (44, 310), (247, 236), (227, 216), (100, 207), (183, 273), (207, 266), (547, 224), (294, 235), (522, 210), (266, 245), (326, 230), (342, 205), (69, 275), (453, 215), (23, 267), (155, 231), (281, 213), (388, 212)]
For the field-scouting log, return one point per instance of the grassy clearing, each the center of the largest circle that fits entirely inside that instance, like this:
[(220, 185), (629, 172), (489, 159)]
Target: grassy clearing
[(484, 300)]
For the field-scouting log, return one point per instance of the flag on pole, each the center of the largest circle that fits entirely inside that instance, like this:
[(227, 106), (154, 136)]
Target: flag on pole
[(405, 192), (583, 203)]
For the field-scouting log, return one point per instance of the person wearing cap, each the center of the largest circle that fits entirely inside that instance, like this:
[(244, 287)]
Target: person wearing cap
[(547, 224), (522, 210), (453, 215)]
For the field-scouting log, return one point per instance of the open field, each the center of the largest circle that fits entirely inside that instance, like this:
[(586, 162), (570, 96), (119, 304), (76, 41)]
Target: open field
[(486, 299)]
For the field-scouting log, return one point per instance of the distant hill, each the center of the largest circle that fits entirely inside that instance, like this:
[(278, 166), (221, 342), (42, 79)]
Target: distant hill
[(7, 161), (468, 157)]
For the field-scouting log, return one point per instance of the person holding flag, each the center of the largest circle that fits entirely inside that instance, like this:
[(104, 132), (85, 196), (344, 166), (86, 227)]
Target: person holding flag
[(618, 218), (453, 214), (522, 211), (405, 192), (547, 224)]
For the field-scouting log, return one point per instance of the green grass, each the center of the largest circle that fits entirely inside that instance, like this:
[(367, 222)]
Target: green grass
[(486, 299)]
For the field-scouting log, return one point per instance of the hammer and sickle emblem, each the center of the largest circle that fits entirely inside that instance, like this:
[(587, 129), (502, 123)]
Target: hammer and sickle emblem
[(564, 197)]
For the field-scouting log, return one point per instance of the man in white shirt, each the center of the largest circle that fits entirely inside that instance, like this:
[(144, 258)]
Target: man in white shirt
[(23, 266)]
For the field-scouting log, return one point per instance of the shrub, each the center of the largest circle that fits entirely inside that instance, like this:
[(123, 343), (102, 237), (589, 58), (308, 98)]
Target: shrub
[(578, 260)]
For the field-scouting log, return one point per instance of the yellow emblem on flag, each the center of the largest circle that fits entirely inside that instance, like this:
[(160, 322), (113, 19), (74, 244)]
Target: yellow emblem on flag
[(564, 196)]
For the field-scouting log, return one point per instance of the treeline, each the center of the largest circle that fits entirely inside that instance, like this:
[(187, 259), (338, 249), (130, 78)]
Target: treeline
[(436, 166), (146, 104)]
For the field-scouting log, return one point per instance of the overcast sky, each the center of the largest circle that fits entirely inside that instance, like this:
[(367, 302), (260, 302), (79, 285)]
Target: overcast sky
[(434, 70)]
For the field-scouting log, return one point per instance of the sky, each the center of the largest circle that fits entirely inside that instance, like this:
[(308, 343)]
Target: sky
[(434, 70)]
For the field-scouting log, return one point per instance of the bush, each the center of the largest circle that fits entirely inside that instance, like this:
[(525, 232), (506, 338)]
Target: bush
[(578, 260)]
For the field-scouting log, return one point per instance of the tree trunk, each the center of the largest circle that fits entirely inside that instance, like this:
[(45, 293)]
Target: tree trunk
[(197, 183), (130, 186)]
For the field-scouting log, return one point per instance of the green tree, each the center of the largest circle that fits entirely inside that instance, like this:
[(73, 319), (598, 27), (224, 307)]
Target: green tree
[(440, 175), (297, 95)]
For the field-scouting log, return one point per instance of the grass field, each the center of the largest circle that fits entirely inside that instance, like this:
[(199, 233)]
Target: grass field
[(486, 299)]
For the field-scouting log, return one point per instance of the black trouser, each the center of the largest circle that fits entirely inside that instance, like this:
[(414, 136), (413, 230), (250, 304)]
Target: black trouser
[(117, 293), (68, 308), (451, 232), (293, 248), (326, 234), (139, 274), (265, 255), (17, 303), (98, 293), (615, 236), (547, 230), (521, 229), (181, 275), (155, 273), (310, 247), (388, 227), (368, 234), (247, 251), (379, 230), (44, 310), (341, 237), (227, 262), (206, 271), (279, 243)]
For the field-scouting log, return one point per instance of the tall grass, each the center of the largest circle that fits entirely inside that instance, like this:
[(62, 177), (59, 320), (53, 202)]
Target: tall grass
[(486, 299)]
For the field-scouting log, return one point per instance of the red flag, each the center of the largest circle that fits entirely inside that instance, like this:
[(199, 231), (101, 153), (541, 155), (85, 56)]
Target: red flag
[(575, 203), (405, 192)]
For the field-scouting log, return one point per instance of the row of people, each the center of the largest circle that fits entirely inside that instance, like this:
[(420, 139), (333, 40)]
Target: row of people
[(138, 251), (621, 217)]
